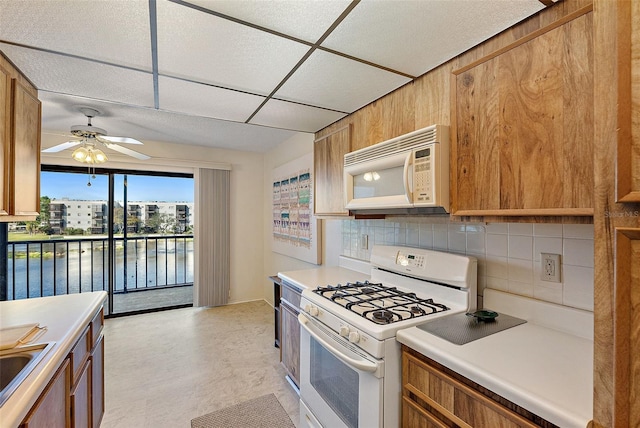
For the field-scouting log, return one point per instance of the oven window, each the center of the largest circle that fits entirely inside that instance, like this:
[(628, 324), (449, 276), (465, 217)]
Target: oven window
[(336, 382)]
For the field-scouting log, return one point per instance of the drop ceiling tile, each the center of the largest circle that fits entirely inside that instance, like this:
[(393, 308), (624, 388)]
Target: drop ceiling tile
[(200, 46), (149, 125), (416, 36), (57, 73), (297, 117), (334, 82), (205, 100), (114, 31), (305, 20)]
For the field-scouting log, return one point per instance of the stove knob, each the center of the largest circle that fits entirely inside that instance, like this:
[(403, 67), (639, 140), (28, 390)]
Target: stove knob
[(307, 308), (313, 311), (344, 331), (354, 337)]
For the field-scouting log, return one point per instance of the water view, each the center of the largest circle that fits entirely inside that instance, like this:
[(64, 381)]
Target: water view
[(47, 268)]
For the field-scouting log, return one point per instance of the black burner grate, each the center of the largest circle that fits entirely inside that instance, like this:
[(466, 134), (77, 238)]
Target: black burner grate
[(379, 303)]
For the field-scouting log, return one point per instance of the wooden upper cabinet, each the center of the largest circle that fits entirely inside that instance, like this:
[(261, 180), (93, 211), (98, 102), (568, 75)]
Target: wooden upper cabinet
[(523, 126), (628, 147), (328, 160), (20, 123), (26, 151)]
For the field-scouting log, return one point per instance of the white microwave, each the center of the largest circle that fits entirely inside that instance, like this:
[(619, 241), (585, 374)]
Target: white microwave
[(407, 174)]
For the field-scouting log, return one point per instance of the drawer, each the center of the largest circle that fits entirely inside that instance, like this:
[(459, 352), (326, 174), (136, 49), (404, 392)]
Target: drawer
[(454, 401), (291, 295), (79, 354), (97, 324)]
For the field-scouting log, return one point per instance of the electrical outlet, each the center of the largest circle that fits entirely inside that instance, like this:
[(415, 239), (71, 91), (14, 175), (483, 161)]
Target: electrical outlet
[(550, 267), (364, 242)]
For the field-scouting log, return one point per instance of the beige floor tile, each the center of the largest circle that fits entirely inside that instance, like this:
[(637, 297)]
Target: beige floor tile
[(163, 369)]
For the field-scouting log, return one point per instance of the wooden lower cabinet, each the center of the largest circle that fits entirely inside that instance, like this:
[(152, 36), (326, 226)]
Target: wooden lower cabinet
[(75, 396), (290, 332), (81, 398), (433, 398), (52, 409), (97, 382)]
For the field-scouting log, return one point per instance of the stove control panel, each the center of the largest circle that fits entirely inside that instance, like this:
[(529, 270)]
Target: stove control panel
[(410, 260)]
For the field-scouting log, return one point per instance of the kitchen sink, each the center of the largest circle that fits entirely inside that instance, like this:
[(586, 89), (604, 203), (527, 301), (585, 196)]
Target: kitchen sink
[(16, 364)]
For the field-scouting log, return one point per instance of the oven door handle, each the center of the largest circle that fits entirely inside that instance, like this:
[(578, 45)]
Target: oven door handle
[(345, 355)]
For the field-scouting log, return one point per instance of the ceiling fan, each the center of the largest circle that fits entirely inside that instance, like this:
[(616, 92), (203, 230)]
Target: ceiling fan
[(92, 138)]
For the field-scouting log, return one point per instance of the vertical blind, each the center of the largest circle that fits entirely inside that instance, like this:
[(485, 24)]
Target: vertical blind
[(211, 279)]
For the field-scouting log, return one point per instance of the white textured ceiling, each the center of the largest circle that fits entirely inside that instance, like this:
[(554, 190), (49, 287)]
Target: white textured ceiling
[(233, 74)]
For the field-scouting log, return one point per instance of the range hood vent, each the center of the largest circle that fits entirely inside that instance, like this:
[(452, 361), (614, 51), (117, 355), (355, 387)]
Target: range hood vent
[(403, 143)]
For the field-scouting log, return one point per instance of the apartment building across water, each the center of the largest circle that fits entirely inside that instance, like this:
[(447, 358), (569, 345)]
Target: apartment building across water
[(92, 215)]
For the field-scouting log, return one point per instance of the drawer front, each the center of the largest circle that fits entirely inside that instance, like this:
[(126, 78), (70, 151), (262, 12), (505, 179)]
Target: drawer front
[(79, 354), (455, 401), (97, 324), (291, 296)]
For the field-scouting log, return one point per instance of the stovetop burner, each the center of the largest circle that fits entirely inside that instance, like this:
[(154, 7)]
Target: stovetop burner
[(379, 303)]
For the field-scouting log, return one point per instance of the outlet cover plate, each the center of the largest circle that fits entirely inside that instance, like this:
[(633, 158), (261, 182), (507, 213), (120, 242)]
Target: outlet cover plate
[(550, 267)]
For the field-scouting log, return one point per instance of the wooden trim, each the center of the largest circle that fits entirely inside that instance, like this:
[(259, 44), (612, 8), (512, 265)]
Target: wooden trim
[(453, 148), (578, 212), (626, 332), (427, 415), (624, 164), (528, 37), (335, 131)]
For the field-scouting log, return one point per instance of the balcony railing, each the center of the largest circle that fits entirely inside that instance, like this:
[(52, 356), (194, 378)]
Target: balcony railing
[(65, 266)]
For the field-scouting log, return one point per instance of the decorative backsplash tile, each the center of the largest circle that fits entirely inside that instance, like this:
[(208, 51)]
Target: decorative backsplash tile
[(508, 253)]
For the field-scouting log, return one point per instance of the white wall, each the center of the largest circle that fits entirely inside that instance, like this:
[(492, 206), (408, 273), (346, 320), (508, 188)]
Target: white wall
[(295, 147), (247, 213)]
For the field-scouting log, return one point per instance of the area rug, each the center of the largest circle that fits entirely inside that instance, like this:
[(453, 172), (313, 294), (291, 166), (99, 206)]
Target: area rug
[(261, 412)]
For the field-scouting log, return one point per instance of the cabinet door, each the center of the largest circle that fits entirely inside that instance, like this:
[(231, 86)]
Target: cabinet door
[(52, 409), (5, 139), (290, 342), (81, 399), (328, 161), (26, 152), (523, 126), (97, 383)]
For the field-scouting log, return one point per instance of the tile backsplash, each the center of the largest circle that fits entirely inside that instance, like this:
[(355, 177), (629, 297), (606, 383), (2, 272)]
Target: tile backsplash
[(508, 253)]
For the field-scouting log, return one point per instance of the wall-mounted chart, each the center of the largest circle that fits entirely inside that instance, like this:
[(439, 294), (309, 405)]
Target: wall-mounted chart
[(296, 232)]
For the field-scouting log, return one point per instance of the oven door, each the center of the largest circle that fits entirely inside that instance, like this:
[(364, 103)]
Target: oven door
[(340, 385)]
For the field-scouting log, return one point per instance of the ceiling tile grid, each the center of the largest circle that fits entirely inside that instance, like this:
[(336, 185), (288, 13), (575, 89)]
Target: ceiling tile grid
[(116, 31), (64, 75), (219, 62), (334, 82), (306, 20), (286, 115), (207, 101), (210, 49)]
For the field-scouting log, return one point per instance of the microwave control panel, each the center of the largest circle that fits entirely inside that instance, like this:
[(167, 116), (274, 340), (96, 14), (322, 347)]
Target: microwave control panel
[(423, 164)]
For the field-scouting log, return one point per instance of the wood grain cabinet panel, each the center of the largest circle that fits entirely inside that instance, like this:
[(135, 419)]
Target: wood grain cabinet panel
[(523, 120), (81, 398), (53, 410), (328, 160), (290, 341), (26, 152), (20, 123), (433, 398)]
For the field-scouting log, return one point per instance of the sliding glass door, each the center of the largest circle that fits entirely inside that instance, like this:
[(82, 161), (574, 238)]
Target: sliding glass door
[(127, 233)]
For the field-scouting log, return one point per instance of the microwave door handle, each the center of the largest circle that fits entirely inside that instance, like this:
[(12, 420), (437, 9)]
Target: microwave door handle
[(359, 363), (408, 184)]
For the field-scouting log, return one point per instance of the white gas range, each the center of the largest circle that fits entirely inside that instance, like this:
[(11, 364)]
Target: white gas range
[(349, 358)]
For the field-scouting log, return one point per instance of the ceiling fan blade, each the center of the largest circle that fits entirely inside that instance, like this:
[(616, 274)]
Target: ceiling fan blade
[(125, 140), (61, 147), (127, 151)]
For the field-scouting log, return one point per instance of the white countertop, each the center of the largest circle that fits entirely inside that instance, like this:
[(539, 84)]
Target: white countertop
[(544, 370), (350, 270), (65, 318)]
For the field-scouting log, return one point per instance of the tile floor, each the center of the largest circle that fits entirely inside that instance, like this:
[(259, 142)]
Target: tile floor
[(163, 369)]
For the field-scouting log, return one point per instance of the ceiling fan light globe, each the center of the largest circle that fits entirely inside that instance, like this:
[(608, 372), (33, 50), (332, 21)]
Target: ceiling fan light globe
[(99, 156), (80, 154)]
